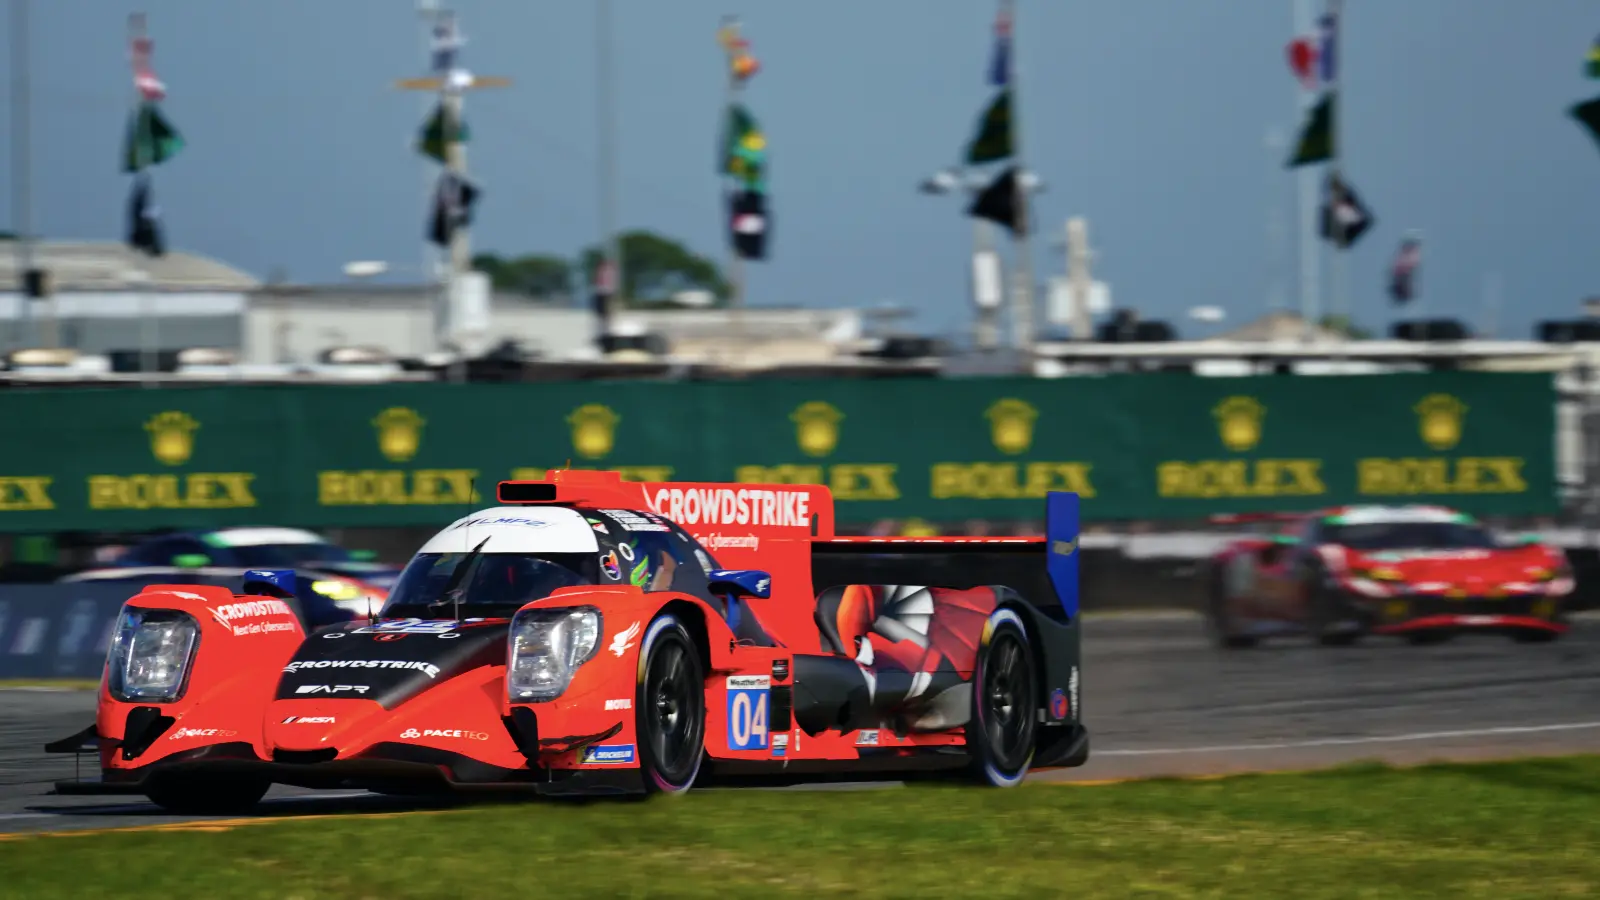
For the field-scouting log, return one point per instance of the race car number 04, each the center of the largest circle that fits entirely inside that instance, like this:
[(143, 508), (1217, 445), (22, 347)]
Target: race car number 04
[(747, 711)]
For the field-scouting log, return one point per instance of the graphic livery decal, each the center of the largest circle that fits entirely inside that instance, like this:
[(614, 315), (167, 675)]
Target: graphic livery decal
[(748, 698)]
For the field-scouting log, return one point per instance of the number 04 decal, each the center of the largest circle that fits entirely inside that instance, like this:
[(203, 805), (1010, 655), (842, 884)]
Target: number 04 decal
[(747, 711)]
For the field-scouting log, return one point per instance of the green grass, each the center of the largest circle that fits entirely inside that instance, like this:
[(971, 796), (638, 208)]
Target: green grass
[(1503, 830), (65, 684)]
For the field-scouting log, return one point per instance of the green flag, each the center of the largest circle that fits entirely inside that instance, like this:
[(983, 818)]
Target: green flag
[(433, 140), (1588, 115), (744, 148), (1316, 138), (151, 139), (993, 140), (1592, 67)]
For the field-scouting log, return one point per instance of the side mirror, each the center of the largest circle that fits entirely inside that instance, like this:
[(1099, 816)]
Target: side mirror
[(363, 555), (741, 583), (191, 560), (278, 583)]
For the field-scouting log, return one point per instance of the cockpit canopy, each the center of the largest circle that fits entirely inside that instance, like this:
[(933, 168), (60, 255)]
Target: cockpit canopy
[(494, 561)]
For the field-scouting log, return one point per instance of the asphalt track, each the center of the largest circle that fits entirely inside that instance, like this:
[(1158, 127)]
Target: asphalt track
[(1159, 699)]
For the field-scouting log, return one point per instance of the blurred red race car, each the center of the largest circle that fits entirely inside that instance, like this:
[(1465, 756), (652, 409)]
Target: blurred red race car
[(1423, 572)]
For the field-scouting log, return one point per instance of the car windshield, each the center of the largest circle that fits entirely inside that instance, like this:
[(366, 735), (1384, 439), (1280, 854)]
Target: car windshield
[(1412, 536), (266, 556), (497, 584)]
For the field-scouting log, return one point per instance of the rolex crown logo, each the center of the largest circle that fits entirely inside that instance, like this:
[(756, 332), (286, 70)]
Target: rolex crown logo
[(594, 429), (399, 433), (1439, 420), (817, 427), (172, 436), (1011, 424), (1239, 422)]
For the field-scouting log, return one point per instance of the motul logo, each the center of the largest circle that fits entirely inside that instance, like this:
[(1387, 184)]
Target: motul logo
[(729, 506)]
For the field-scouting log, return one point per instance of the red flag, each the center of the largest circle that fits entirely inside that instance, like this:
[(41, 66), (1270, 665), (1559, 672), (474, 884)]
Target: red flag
[(1303, 61), (144, 77)]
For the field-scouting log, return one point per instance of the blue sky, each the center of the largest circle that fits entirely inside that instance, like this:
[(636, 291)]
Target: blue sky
[(1148, 117)]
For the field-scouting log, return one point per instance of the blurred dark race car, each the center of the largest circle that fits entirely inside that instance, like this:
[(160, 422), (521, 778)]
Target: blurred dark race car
[(260, 548), (1422, 572)]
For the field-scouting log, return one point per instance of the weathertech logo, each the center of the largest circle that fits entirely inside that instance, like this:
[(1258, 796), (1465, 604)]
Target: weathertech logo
[(428, 669), (729, 506)]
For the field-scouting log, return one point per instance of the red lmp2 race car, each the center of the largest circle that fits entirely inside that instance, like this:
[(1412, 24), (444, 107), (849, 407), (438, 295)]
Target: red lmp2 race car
[(595, 636), (1422, 572)]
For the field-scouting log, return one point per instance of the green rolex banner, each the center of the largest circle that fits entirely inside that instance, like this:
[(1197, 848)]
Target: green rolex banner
[(993, 140), (151, 139), (1316, 138), (434, 140)]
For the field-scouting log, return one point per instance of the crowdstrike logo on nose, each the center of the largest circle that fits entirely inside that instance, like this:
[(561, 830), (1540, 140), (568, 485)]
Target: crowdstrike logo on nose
[(428, 669)]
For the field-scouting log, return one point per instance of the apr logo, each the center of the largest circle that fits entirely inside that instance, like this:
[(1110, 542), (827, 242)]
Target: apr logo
[(1239, 422), (1011, 425), (816, 427), (172, 437), (594, 429), (399, 433), (1439, 420)]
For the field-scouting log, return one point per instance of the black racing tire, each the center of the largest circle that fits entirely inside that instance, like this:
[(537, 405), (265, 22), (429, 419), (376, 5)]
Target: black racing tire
[(1005, 704), (1324, 612), (1532, 636), (670, 711), (202, 795), (1428, 638), (1219, 623)]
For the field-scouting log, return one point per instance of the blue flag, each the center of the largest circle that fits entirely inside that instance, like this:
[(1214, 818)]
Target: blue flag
[(1325, 54)]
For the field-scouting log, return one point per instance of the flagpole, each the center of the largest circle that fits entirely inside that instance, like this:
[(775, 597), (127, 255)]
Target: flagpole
[(606, 118), (427, 13), (22, 162), (1022, 298), (1339, 303), (736, 286), (1310, 243)]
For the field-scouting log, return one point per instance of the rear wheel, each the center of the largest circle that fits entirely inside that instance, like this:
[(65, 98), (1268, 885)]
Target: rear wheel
[(1220, 621), (671, 716), (201, 795), (1005, 704), (1331, 619)]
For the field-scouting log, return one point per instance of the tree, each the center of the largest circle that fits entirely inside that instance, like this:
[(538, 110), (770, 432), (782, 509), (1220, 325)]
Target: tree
[(1343, 325), (654, 268), (536, 275)]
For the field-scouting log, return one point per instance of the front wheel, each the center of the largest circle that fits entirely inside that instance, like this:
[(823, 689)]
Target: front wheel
[(1000, 734), (200, 795), (671, 717)]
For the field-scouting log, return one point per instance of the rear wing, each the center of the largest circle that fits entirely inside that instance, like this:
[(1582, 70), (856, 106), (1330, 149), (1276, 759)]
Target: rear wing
[(1043, 570)]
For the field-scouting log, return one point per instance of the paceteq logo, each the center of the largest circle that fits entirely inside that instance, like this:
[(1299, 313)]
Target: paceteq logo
[(609, 753)]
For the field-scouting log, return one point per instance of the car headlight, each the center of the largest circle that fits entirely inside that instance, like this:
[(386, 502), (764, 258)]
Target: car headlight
[(546, 648), (151, 655)]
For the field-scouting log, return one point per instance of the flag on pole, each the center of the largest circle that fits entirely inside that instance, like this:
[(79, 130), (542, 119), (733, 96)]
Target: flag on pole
[(742, 63), (744, 148), (144, 76), (434, 142), (998, 203), (749, 223), (993, 139), (144, 219), (1403, 271), (1588, 115), (151, 139), (1344, 217), (452, 207), (1316, 136), (1327, 28), (1302, 53), (1000, 62)]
